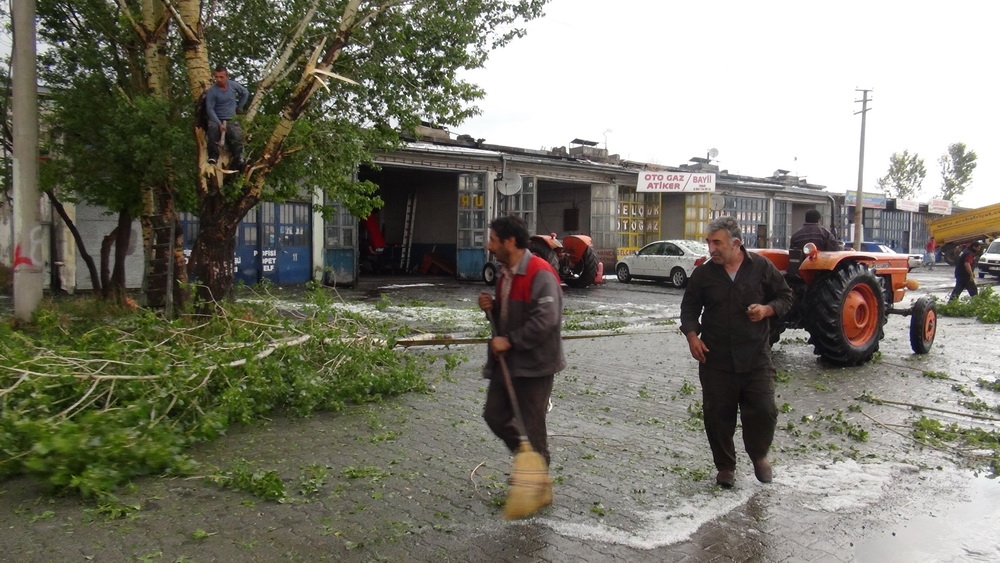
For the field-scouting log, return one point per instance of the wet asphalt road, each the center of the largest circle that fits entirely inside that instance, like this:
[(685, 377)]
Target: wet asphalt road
[(633, 470)]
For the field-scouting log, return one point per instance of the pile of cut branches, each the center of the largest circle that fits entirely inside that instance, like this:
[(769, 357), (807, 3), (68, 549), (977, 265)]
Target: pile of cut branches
[(91, 397)]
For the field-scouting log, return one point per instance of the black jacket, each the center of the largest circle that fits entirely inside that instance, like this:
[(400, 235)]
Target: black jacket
[(734, 342)]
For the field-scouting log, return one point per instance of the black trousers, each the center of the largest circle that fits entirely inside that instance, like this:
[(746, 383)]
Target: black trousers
[(752, 394), (234, 142), (533, 399), (964, 283)]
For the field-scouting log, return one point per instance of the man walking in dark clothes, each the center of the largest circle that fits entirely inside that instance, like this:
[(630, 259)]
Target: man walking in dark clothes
[(725, 316), (527, 312), (964, 275), (223, 100)]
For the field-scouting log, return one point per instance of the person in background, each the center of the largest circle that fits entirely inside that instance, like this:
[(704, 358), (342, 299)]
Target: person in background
[(815, 233), (930, 253), (964, 275), (725, 316)]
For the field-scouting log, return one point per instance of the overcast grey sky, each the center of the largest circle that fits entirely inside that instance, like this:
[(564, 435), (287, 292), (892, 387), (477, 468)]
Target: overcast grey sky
[(770, 84)]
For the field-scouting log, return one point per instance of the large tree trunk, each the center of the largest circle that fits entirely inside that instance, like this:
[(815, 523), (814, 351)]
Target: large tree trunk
[(213, 257), (165, 270), (117, 287), (106, 244)]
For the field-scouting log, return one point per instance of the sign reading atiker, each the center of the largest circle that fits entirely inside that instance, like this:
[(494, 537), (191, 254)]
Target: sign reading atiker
[(675, 182)]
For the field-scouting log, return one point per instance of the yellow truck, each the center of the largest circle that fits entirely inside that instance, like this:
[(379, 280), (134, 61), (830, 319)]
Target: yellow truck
[(952, 232)]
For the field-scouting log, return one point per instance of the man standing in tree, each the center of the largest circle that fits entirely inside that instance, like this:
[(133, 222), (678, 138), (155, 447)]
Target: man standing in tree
[(223, 101)]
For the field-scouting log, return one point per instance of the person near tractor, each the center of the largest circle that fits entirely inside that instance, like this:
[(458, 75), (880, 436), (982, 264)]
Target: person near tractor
[(726, 313), (527, 317), (223, 101), (812, 231), (930, 251), (964, 277)]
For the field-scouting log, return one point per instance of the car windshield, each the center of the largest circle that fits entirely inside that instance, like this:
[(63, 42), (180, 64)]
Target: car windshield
[(994, 247)]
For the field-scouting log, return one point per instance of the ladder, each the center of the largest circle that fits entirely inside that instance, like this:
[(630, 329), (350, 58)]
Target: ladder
[(408, 220)]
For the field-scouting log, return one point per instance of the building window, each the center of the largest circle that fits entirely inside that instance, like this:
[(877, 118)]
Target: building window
[(638, 219), (751, 215), (471, 211), (521, 204), (782, 225)]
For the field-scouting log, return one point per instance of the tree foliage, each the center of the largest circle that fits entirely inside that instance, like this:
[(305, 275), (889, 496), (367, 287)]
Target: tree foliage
[(905, 175), (332, 83), (957, 166)]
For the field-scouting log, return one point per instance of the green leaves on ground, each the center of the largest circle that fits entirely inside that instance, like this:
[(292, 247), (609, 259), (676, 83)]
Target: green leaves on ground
[(90, 398), (985, 306)]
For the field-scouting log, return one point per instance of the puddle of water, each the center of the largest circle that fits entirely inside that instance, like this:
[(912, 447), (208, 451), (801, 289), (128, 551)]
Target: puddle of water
[(968, 531)]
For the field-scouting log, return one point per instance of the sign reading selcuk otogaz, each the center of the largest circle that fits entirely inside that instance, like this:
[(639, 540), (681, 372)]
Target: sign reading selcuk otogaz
[(675, 182)]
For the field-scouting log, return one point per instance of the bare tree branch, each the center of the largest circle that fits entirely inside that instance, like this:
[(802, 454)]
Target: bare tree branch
[(187, 32)]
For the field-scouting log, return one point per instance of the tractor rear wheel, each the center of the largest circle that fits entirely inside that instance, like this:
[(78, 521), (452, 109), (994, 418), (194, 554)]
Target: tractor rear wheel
[(541, 248), (923, 325), (585, 271), (846, 315)]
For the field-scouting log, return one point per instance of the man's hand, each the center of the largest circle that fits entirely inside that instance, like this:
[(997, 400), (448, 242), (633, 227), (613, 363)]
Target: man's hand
[(757, 313), (499, 344), (485, 301), (697, 347)]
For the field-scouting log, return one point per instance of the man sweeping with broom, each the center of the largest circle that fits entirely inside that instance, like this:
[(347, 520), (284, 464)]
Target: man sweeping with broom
[(524, 355)]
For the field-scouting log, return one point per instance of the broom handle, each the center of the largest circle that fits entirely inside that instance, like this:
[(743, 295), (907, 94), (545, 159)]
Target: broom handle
[(508, 383)]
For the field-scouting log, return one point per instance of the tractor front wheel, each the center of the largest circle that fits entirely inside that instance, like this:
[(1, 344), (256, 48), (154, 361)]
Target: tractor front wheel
[(586, 270), (923, 325), (847, 312), (490, 273)]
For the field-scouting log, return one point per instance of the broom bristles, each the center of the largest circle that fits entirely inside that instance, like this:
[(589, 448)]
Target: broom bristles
[(530, 485)]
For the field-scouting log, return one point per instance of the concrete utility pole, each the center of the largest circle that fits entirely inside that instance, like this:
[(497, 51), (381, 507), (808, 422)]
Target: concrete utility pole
[(859, 229), (28, 234)]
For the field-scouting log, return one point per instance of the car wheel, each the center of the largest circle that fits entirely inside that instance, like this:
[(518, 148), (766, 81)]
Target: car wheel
[(490, 273), (623, 274), (678, 277), (923, 325)]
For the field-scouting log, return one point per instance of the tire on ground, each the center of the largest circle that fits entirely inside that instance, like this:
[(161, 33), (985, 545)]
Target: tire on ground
[(923, 325), (847, 313), (678, 277), (586, 270), (623, 274), (490, 273)]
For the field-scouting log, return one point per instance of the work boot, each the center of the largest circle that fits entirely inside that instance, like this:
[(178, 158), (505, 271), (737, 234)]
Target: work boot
[(762, 469), (726, 478)]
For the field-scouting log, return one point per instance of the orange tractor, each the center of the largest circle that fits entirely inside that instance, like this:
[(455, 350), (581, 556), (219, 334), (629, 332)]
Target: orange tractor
[(843, 299), (573, 259)]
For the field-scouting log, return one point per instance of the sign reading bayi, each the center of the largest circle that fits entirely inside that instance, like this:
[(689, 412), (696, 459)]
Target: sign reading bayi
[(675, 182)]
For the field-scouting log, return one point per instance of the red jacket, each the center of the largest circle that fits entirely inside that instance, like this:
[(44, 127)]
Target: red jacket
[(532, 322)]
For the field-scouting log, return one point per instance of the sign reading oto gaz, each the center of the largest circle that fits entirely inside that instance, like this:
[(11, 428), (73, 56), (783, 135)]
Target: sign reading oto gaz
[(663, 181)]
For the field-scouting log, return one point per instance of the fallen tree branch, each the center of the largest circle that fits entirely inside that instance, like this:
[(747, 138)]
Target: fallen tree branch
[(876, 400)]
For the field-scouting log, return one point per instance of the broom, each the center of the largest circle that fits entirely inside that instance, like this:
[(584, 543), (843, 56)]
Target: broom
[(530, 485)]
